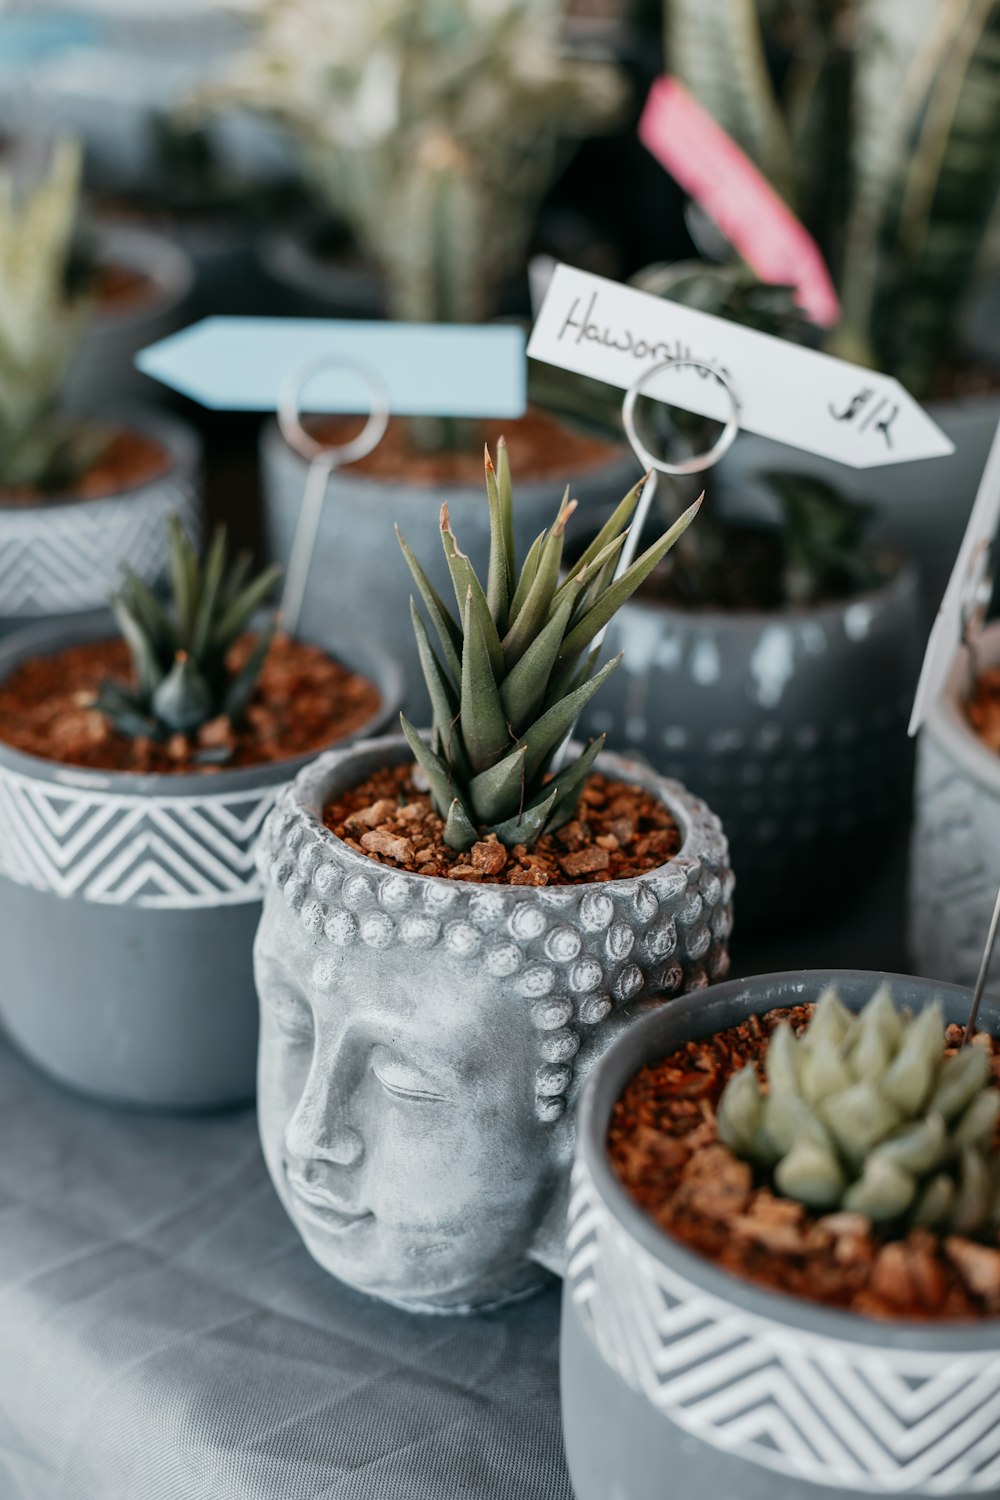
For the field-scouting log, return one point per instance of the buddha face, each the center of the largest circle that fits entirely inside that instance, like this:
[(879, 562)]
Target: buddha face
[(397, 1115)]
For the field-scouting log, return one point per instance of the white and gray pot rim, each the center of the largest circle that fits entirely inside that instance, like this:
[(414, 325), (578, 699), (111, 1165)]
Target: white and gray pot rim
[(903, 581), (366, 657), (365, 486), (305, 798), (946, 720), (157, 256), (703, 1014), (180, 441)]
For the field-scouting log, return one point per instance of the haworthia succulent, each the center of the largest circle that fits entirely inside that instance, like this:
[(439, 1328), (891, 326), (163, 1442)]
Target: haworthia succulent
[(512, 676), (181, 675), (868, 1113)]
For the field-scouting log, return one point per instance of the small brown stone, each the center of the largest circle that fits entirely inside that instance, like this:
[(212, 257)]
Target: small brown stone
[(715, 1184), (392, 845), (607, 841), (777, 1223), (584, 862), (217, 734), (978, 1266), (370, 817), (530, 876), (177, 747), (488, 857)]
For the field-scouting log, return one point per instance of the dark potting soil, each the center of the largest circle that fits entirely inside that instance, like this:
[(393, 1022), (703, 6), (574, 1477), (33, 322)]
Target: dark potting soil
[(663, 1147), (304, 701), (619, 830), (128, 461), (538, 445)]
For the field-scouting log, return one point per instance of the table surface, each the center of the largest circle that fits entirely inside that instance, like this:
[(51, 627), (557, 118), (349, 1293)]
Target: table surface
[(165, 1336)]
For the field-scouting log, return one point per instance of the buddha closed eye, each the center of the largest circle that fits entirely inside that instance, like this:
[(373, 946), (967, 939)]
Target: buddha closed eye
[(402, 1080)]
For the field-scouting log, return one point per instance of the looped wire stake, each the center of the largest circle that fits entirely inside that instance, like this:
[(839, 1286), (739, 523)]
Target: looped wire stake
[(654, 466), (323, 459)]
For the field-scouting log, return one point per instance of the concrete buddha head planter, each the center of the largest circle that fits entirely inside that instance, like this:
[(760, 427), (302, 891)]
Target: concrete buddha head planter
[(423, 1040)]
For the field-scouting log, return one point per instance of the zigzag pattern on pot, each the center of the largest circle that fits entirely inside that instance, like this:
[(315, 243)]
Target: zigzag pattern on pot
[(179, 852), (63, 558), (825, 1410)]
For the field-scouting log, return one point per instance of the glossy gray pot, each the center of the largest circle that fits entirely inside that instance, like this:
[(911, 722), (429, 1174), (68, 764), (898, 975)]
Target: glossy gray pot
[(359, 580), (423, 1040), (128, 905), (103, 373), (678, 1378), (792, 725), (67, 557), (921, 509), (955, 849)]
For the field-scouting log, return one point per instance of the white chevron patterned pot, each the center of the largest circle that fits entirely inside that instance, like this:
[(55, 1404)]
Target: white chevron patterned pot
[(423, 1040), (680, 1379), (955, 848), (128, 905), (66, 558)]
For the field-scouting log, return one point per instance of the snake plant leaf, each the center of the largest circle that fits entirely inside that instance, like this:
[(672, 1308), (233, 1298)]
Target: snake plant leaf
[(525, 687), (485, 733), (498, 585), (811, 1173), (716, 48), (624, 587), (183, 701), (465, 582), (448, 632), (549, 731)]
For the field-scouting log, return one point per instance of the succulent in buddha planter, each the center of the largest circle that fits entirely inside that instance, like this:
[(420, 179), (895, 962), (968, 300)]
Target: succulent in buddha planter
[(77, 495), (135, 775), (455, 926), (779, 1309), (954, 850)]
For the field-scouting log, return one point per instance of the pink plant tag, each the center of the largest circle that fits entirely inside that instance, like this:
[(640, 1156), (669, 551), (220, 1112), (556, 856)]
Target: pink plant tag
[(709, 165)]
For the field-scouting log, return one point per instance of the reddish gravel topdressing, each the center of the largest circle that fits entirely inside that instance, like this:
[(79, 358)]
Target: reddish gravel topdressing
[(127, 462)]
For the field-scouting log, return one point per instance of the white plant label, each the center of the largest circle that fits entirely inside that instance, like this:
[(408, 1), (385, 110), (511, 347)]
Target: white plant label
[(811, 401), (972, 566)]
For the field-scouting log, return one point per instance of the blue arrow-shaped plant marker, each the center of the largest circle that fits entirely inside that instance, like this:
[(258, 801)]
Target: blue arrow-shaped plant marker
[(432, 370)]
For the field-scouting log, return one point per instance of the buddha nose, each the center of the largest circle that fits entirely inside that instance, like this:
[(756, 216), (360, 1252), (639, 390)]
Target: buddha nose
[(319, 1131)]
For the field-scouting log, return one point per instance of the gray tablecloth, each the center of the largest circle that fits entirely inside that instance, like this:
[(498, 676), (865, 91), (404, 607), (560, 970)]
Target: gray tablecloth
[(164, 1336)]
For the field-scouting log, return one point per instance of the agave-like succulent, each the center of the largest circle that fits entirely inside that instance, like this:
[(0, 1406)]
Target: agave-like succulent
[(41, 324), (866, 1113), (181, 677), (515, 669)]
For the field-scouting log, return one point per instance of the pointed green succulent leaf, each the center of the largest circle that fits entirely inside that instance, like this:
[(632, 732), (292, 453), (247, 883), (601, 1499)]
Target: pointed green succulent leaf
[(506, 494), (740, 1112), (465, 582), (527, 577), (526, 827), (811, 1173), (485, 734), (444, 699), (448, 631), (238, 614), (146, 664), (183, 700), (614, 530), (242, 685), (569, 784), (498, 583), (498, 793), (550, 730), (525, 687), (458, 831), (534, 612), (433, 766)]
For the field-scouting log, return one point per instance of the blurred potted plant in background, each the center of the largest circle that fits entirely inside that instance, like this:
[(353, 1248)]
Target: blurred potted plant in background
[(77, 495), (431, 130), (770, 663), (880, 126)]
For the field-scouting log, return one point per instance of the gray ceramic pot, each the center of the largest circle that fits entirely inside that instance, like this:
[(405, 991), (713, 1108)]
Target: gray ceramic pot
[(423, 1040), (64, 558), (128, 905), (103, 373), (921, 509), (955, 849), (792, 725), (359, 579), (678, 1378)]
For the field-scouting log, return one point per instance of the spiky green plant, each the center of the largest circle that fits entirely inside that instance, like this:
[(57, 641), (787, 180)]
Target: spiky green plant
[(517, 666), (883, 134), (181, 677), (41, 324), (866, 1113)]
